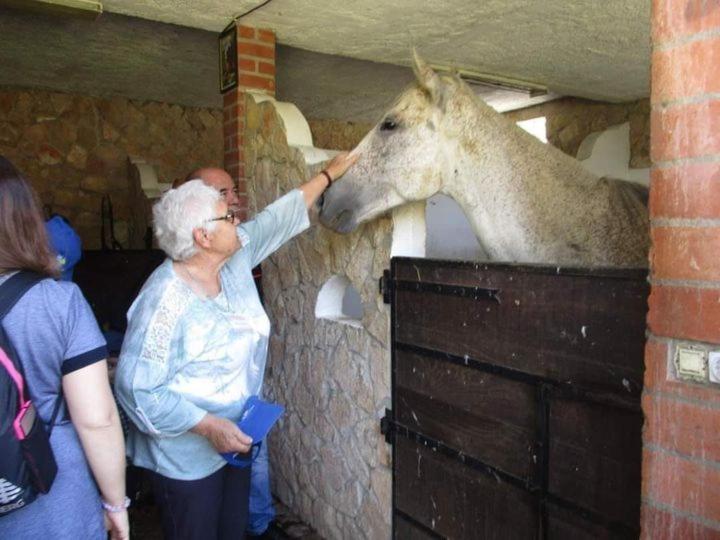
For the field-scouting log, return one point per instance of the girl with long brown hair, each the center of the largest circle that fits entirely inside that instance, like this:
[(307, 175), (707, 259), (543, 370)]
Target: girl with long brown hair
[(62, 353)]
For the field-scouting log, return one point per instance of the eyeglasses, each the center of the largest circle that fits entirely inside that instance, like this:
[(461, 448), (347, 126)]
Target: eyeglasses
[(230, 217)]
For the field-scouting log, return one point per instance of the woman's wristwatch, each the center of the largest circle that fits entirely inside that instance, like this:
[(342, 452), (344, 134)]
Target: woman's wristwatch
[(119, 508)]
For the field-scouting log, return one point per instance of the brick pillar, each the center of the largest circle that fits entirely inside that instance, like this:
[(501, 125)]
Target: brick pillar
[(256, 72), (681, 440)]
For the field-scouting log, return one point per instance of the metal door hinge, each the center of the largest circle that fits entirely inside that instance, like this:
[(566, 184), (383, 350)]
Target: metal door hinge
[(385, 285), (386, 426)]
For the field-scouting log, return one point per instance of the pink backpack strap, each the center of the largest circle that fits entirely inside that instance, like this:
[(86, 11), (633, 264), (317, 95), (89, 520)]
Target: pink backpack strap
[(10, 292)]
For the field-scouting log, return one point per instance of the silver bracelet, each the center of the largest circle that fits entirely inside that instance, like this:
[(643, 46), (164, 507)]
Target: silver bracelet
[(119, 508)]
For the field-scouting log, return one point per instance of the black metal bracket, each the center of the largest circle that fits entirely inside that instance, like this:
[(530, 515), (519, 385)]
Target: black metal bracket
[(558, 389), (474, 293), (385, 286), (387, 424)]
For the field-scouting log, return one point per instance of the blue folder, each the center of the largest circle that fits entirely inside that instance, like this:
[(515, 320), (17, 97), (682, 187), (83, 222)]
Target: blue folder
[(257, 419)]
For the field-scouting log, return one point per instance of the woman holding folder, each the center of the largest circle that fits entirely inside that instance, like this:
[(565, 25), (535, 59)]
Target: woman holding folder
[(195, 351)]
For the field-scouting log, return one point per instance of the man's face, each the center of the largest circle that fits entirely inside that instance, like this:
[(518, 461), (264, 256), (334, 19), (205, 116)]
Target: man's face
[(222, 181)]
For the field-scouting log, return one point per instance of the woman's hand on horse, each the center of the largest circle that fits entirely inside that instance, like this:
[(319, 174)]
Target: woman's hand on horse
[(340, 164), (223, 434)]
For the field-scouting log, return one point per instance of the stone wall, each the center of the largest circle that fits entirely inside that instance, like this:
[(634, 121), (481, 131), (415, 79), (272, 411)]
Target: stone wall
[(571, 120), (74, 149), (330, 463), (336, 134)]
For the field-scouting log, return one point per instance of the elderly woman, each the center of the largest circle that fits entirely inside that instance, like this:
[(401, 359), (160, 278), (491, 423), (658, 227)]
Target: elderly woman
[(195, 350)]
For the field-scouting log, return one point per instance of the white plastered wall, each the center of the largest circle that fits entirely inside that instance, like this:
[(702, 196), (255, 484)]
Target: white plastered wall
[(607, 153)]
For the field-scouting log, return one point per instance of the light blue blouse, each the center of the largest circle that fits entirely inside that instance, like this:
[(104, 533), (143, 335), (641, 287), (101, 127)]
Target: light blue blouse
[(184, 355)]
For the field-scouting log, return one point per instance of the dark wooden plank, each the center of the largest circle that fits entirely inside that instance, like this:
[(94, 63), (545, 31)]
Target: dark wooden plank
[(563, 304), (479, 273), (482, 394), (566, 525), (595, 458), (504, 446), (565, 335), (606, 431), (405, 530), (456, 501)]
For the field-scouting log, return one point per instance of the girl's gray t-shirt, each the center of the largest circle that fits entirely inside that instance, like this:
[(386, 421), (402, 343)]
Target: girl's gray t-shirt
[(55, 333)]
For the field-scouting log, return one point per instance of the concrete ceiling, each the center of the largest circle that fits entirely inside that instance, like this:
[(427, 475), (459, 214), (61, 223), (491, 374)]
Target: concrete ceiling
[(588, 48), (343, 60)]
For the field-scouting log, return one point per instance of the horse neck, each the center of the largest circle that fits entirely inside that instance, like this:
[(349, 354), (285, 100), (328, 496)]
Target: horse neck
[(496, 170), (483, 149)]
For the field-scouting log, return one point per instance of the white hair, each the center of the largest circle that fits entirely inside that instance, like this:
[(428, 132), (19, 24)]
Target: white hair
[(179, 212)]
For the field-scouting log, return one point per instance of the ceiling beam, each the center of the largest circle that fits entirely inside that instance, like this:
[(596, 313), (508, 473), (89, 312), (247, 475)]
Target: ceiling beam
[(90, 9)]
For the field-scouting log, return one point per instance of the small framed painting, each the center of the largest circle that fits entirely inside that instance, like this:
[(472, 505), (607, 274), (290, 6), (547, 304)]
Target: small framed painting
[(227, 55)]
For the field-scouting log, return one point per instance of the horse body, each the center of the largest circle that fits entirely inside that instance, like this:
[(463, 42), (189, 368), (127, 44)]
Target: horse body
[(526, 201)]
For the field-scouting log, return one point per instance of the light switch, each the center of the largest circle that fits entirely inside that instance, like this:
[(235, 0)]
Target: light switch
[(714, 366), (691, 363)]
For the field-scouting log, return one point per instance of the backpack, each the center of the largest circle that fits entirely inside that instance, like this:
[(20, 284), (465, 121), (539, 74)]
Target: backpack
[(27, 462)]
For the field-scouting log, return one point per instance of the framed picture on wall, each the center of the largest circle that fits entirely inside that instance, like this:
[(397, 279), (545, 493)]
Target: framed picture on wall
[(227, 56)]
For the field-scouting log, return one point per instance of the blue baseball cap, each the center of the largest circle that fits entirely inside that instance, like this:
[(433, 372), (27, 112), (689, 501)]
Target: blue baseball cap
[(66, 243)]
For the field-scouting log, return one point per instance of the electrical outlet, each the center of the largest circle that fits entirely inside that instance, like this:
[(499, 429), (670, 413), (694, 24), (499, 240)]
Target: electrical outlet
[(691, 363), (714, 366)]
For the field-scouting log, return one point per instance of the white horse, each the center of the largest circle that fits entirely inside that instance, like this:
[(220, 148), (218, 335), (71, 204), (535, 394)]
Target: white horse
[(527, 201)]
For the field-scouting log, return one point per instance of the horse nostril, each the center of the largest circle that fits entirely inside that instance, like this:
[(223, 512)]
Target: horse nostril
[(321, 201)]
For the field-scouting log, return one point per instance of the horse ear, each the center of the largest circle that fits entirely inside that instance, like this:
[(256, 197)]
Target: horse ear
[(427, 78)]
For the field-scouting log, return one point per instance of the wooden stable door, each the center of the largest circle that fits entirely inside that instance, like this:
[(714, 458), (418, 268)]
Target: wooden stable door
[(515, 400)]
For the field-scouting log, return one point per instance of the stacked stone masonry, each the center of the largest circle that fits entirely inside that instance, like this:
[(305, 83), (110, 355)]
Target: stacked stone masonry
[(74, 149), (570, 120), (336, 134), (331, 465)]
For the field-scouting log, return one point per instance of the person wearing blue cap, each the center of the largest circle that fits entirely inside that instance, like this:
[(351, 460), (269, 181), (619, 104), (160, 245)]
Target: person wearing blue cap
[(65, 243)]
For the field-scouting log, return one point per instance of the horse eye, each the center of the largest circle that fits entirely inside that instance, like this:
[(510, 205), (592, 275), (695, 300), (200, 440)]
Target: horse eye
[(388, 125)]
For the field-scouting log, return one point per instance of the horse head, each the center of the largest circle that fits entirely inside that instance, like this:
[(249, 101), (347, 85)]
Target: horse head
[(403, 158)]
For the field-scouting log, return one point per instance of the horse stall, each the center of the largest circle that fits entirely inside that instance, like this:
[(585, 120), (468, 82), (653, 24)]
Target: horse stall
[(510, 394), (515, 400)]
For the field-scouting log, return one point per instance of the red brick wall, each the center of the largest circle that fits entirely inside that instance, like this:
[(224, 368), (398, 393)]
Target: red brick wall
[(681, 458), (256, 72)]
